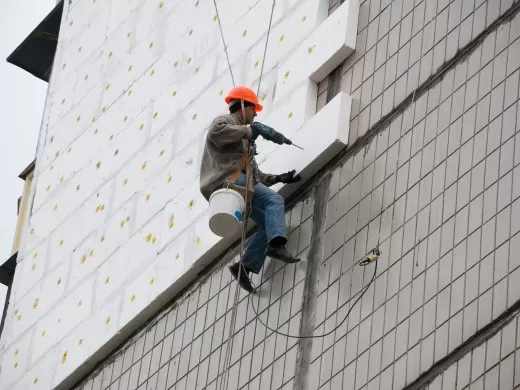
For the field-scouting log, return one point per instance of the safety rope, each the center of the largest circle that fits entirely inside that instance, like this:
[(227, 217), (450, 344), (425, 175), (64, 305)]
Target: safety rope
[(224, 42), (226, 47), (229, 346), (265, 48)]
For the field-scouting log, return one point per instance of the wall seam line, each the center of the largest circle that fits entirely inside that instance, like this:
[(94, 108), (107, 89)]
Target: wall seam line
[(304, 347), (479, 338)]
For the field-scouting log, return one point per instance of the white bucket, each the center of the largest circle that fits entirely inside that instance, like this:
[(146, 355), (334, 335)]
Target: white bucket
[(226, 212)]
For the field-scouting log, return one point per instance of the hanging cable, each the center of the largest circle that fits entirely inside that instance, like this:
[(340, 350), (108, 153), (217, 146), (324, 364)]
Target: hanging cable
[(224, 43), (227, 359), (361, 294), (229, 349), (372, 257), (265, 48)]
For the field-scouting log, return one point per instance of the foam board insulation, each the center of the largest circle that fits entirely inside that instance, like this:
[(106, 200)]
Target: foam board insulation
[(313, 59), (118, 224), (38, 377), (289, 116), (285, 37), (33, 269), (331, 123), (63, 100)]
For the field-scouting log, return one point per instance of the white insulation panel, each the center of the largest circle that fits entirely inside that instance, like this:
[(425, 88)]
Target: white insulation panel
[(118, 222)]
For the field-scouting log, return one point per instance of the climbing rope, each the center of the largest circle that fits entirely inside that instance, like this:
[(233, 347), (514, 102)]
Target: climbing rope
[(229, 347), (224, 42), (265, 48)]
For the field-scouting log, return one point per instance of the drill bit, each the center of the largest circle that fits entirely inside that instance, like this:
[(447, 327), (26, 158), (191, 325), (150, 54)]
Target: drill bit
[(287, 141)]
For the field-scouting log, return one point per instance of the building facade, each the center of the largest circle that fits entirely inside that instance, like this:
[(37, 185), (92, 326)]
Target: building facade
[(412, 146)]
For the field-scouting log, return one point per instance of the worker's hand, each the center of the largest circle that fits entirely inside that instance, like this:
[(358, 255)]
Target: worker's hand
[(267, 133), (262, 130), (288, 177)]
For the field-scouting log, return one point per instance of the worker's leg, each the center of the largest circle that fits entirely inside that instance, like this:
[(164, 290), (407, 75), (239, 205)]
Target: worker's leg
[(254, 256), (268, 212), (270, 206)]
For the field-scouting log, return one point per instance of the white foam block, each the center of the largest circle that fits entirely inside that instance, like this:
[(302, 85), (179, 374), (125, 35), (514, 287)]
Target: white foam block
[(40, 375), (94, 331), (285, 36), (15, 360), (32, 268), (289, 116), (321, 138), (46, 334), (114, 272), (325, 49)]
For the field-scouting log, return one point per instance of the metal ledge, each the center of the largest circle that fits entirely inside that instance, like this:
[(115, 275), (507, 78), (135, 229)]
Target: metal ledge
[(7, 270), (6, 278)]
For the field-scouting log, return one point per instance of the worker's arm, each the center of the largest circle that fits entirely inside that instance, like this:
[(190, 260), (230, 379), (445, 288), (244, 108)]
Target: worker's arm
[(222, 133), (267, 179), (286, 178)]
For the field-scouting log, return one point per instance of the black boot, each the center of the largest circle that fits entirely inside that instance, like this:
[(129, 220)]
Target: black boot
[(244, 281), (281, 254)]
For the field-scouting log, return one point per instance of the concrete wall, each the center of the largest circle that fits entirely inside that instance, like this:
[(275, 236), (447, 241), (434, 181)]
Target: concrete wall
[(492, 365), (436, 183)]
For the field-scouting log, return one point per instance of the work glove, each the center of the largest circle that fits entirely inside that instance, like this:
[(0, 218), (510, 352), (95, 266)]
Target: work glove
[(288, 177)]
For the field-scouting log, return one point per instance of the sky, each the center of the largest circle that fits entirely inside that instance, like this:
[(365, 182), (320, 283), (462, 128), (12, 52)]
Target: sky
[(22, 97)]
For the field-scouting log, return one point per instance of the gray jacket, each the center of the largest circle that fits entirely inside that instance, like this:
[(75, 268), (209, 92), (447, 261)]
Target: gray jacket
[(226, 142)]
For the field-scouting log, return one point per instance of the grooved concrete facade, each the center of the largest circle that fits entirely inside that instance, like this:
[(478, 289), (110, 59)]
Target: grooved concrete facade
[(437, 185), (493, 365)]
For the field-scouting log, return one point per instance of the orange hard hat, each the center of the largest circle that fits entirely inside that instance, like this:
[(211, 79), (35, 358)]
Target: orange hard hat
[(246, 94)]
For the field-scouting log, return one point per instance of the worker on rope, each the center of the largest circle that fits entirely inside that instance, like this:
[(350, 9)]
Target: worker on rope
[(230, 138)]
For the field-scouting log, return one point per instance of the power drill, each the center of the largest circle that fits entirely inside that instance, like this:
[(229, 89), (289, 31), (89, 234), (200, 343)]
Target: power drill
[(272, 135)]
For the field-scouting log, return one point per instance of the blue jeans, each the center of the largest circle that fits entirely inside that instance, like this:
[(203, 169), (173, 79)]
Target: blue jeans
[(268, 212)]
